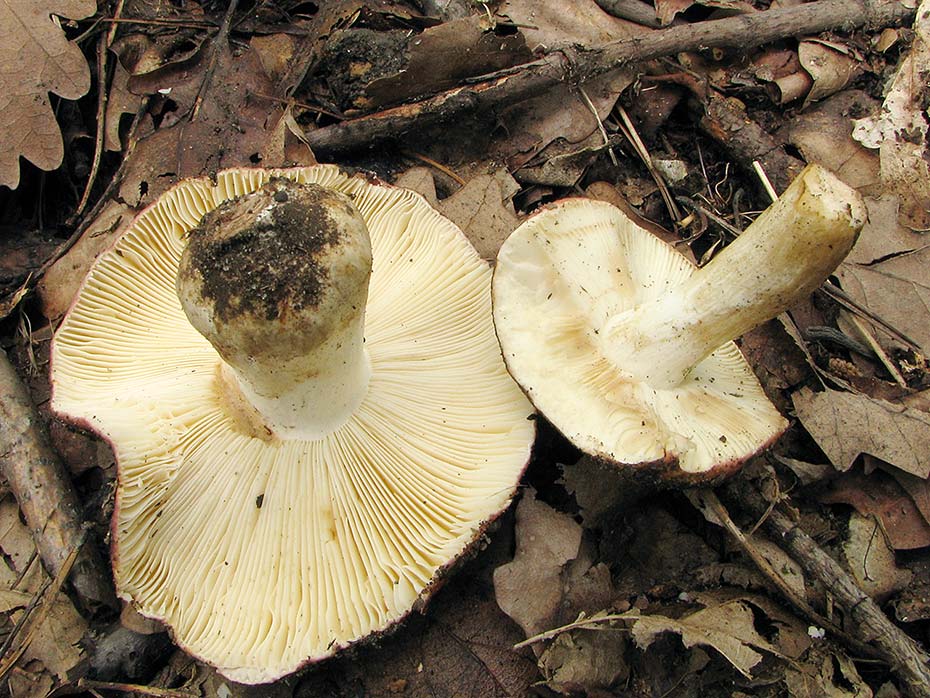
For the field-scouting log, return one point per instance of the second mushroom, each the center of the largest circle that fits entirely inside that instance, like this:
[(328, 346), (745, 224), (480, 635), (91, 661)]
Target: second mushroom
[(627, 348)]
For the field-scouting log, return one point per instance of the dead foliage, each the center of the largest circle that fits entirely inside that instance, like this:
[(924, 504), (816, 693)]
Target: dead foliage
[(681, 112)]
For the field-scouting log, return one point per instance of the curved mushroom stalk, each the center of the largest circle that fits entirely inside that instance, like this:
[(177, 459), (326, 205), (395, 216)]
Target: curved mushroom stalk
[(277, 281), (781, 258), (627, 348)]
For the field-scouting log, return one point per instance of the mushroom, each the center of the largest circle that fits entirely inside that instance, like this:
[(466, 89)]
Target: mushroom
[(626, 347), (298, 373)]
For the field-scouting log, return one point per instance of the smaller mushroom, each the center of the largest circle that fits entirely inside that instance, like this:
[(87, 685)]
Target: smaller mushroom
[(626, 347)]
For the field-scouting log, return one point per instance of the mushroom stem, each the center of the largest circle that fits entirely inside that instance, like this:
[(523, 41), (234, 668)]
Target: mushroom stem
[(277, 281), (781, 258)]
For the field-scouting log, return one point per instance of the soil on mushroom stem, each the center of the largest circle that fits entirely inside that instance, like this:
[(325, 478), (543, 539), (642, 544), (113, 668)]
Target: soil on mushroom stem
[(257, 272)]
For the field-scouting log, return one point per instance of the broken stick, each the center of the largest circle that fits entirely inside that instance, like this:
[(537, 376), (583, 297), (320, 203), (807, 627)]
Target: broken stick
[(868, 624), (44, 493), (573, 65)]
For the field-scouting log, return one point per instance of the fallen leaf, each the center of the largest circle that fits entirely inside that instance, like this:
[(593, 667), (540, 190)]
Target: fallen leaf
[(420, 180), (667, 9), (55, 642), (870, 559), (16, 543), (807, 473), (829, 65), (727, 627), (585, 660), (24, 683), (826, 673), (845, 425), (899, 130), (823, 134), (484, 211), (37, 59), (529, 588), (918, 489), (120, 101), (878, 494), (546, 24), (882, 238), (562, 113), (653, 548), (896, 288)]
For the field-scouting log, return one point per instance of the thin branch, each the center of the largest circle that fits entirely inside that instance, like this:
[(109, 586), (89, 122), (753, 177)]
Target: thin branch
[(489, 92)]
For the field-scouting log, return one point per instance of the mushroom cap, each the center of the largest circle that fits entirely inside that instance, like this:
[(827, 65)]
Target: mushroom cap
[(264, 554), (559, 278)]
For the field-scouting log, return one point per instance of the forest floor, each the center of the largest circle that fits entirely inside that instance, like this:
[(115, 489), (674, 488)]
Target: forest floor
[(807, 574)]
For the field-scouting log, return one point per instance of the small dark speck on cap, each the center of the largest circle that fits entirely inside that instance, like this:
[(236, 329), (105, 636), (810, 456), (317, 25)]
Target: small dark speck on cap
[(258, 501)]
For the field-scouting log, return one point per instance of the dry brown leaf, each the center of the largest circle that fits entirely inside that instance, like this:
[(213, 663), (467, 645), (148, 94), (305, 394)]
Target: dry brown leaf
[(918, 489), (547, 25), (461, 648), (484, 211), (529, 588), (870, 559), (727, 627), (31, 682), (120, 101), (831, 68), (585, 659), (878, 494), (896, 288), (823, 134), (420, 180), (845, 425), (667, 9), (55, 643), (36, 59), (899, 130), (825, 674), (441, 56)]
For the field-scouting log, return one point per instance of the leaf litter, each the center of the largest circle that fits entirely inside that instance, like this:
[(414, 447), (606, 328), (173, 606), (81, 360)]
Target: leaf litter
[(633, 592)]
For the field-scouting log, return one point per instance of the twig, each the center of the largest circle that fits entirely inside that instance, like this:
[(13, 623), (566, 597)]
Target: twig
[(878, 351), (86, 685), (841, 297), (101, 125), (582, 622), (36, 619), (600, 125), (723, 516), (222, 36), (489, 92), (438, 165), (44, 492), (766, 182), (629, 130), (868, 623)]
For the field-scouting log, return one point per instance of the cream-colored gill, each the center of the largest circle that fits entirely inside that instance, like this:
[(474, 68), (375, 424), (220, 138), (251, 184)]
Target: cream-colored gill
[(263, 553)]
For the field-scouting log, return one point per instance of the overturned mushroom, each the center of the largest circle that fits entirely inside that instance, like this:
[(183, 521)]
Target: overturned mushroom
[(626, 347), (299, 476)]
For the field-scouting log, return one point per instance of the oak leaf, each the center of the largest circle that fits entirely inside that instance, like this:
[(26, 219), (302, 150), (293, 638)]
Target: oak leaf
[(726, 625), (845, 425), (36, 58)]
